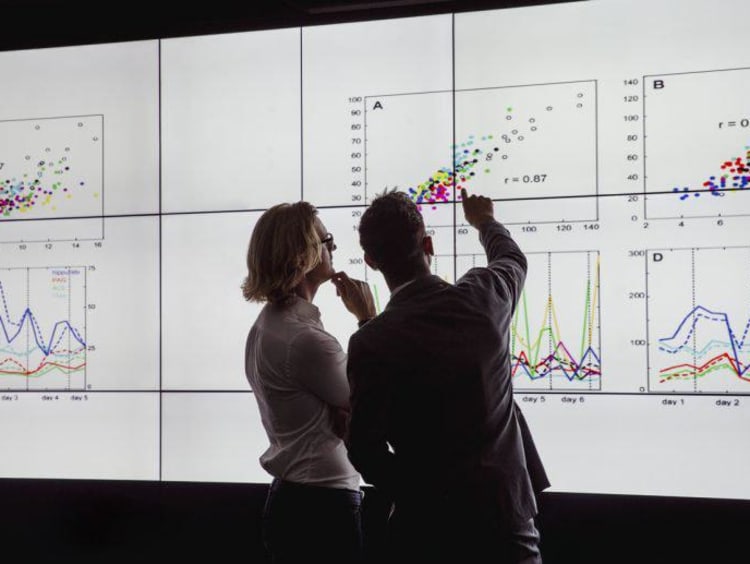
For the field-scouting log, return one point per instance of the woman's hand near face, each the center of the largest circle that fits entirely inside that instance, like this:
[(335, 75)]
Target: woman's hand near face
[(356, 295)]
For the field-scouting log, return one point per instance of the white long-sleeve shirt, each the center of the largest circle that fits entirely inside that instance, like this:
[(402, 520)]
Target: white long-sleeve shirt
[(297, 372)]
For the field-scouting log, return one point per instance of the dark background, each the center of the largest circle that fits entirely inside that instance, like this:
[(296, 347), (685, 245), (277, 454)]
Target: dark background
[(119, 521), (111, 522), (37, 23)]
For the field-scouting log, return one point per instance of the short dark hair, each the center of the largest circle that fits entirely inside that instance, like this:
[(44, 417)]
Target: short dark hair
[(391, 230)]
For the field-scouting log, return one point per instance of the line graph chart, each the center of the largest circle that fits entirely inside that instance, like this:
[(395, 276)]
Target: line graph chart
[(555, 335), (699, 332), (43, 328), (556, 332)]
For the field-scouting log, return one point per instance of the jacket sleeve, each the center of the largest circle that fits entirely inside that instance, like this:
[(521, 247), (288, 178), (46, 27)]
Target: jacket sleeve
[(366, 443), (505, 260), (537, 473)]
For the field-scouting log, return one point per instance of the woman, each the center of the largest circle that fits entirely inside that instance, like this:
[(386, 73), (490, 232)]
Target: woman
[(298, 375)]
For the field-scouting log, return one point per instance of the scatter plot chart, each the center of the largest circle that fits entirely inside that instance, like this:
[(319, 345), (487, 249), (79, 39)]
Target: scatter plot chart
[(699, 320), (51, 169), (43, 328), (697, 144), (514, 144), (555, 334), (408, 146)]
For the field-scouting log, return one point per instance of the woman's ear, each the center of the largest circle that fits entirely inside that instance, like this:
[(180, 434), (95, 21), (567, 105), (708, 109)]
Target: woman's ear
[(301, 265)]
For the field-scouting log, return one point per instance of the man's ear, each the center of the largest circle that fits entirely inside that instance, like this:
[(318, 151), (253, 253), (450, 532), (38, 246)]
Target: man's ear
[(369, 262), (427, 246)]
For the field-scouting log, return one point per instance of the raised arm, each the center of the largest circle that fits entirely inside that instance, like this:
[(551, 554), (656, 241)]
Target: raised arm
[(504, 257)]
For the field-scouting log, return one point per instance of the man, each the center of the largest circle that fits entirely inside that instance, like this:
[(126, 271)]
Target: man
[(434, 425)]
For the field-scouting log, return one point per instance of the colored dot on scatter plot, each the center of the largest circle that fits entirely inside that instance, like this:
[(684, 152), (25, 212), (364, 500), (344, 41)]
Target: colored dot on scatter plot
[(678, 189)]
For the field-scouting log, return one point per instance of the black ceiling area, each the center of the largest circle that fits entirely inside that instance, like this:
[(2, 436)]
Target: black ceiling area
[(48, 23)]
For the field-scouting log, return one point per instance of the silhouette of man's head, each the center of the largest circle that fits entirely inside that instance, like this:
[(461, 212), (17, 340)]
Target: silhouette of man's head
[(392, 235)]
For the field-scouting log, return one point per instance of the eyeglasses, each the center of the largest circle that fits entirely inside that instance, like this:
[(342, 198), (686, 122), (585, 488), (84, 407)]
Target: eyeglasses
[(328, 242)]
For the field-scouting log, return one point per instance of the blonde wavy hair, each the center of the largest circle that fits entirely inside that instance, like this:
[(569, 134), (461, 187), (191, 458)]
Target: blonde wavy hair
[(284, 246)]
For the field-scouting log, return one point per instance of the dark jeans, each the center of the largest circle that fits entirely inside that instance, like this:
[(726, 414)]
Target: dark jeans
[(303, 523), (459, 534)]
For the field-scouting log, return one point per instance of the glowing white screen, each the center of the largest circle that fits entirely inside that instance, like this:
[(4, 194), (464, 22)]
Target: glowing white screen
[(612, 135)]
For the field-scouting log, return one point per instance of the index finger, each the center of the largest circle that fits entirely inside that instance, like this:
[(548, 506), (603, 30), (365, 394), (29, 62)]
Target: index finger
[(464, 194), (341, 276)]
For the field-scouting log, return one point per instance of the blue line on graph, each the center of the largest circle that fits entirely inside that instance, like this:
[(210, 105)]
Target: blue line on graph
[(45, 348), (696, 314), (549, 366)]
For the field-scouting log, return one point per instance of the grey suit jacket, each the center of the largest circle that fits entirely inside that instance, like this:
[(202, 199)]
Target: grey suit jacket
[(433, 414)]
